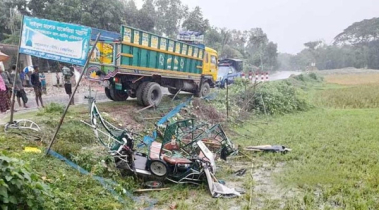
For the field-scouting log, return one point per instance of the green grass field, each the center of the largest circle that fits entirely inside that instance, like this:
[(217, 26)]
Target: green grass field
[(334, 162)]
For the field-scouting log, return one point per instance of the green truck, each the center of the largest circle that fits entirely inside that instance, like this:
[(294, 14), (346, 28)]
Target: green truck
[(139, 63)]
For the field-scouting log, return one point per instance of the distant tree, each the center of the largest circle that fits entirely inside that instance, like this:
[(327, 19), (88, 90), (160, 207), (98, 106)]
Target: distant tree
[(147, 16), (360, 32), (270, 56), (256, 46), (195, 21), (285, 61), (312, 45), (131, 13), (170, 14), (98, 14), (213, 38)]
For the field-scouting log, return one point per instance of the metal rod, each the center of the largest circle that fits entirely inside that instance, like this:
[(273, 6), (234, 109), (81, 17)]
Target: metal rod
[(145, 108), (173, 98), (227, 101), (17, 68), (73, 94), (137, 80)]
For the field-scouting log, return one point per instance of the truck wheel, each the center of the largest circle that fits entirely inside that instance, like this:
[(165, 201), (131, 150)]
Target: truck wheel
[(173, 91), (205, 89), (117, 95), (152, 94), (140, 89), (108, 93)]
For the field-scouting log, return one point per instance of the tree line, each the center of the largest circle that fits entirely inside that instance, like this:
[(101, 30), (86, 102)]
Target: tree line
[(357, 46), (162, 17)]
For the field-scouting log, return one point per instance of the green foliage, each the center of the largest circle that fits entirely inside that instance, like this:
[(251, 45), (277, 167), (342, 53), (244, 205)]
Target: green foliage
[(54, 108), (195, 21), (96, 162), (170, 14), (19, 187), (280, 97), (359, 32), (308, 78)]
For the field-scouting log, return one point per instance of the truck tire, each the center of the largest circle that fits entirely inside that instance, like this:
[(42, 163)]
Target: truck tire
[(152, 94), (205, 89), (173, 91), (117, 95), (139, 93), (108, 93)]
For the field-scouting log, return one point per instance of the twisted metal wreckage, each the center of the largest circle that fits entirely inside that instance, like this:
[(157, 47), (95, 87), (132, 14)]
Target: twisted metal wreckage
[(180, 152)]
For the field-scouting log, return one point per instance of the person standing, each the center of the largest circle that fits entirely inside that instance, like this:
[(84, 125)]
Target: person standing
[(19, 88), (67, 74), (4, 100), (22, 77), (34, 78), (27, 74), (7, 81), (58, 78), (43, 82)]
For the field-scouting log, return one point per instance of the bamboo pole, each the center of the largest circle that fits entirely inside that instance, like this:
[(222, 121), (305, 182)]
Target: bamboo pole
[(73, 94), (17, 68)]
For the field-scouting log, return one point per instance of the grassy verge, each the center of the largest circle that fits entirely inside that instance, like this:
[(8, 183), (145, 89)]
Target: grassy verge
[(334, 160)]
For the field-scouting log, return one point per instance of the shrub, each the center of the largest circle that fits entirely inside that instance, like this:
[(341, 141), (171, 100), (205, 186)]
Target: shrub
[(54, 108), (277, 97), (19, 187)]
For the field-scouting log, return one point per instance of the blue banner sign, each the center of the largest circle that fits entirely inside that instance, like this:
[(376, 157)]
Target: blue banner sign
[(105, 35), (53, 40)]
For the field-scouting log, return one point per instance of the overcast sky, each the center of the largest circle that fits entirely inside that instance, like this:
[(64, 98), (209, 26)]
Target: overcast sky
[(289, 23)]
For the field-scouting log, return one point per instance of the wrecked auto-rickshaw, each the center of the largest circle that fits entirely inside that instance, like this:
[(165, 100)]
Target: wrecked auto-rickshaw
[(180, 157)]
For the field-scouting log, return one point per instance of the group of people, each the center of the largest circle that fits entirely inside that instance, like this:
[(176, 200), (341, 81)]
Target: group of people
[(37, 80)]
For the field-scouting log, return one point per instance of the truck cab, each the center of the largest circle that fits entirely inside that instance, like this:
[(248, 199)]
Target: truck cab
[(210, 66)]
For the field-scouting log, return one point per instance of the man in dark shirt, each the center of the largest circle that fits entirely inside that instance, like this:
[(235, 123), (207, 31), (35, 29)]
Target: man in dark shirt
[(37, 85), (19, 88), (67, 74)]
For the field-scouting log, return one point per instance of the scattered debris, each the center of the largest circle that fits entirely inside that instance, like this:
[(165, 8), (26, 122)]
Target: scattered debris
[(268, 148), (150, 190), (153, 184), (217, 189), (240, 172), (32, 149), (22, 124)]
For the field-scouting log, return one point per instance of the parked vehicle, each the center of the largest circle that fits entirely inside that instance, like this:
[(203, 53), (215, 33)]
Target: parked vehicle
[(228, 71), (137, 64)]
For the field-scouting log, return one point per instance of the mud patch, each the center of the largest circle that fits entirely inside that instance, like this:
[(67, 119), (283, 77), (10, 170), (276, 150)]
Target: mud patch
[(206, 112), (267, 193)]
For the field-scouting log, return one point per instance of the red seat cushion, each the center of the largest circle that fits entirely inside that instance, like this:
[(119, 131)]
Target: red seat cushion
[(176, 160)]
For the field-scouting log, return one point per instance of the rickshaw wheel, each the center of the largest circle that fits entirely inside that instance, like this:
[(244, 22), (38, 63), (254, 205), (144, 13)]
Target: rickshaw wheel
[(158, 168)]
